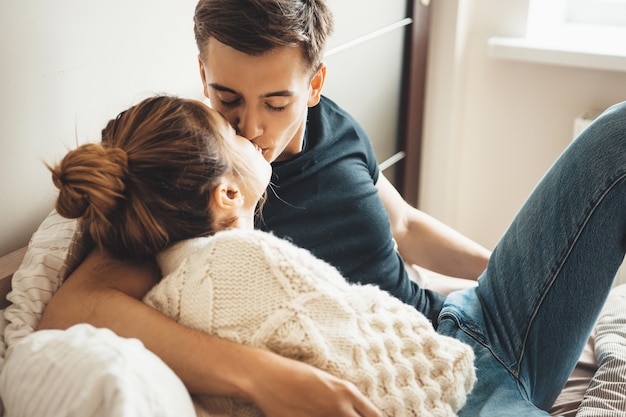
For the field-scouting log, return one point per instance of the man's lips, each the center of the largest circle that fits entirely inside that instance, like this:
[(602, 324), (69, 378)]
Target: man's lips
[(260, 149)]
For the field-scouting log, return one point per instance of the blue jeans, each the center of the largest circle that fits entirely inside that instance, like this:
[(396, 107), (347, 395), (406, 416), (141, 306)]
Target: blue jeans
[(536, 303)]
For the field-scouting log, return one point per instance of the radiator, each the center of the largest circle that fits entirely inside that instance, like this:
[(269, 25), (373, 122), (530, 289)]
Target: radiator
[(584, 120)]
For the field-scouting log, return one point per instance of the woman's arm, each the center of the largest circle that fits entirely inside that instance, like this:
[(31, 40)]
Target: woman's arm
[(107, 293), (425, 241)]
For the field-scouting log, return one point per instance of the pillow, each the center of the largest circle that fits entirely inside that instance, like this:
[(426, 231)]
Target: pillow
[(41, 273), (89, 372), (606, 394)]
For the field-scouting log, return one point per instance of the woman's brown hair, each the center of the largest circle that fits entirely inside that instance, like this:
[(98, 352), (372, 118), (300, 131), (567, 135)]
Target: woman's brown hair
[(255, 27), (147, 184)]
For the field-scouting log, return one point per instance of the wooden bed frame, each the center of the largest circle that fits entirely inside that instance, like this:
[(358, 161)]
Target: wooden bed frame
[(8, 265)]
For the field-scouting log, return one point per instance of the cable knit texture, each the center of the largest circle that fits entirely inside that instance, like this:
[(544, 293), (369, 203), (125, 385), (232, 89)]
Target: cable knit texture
[(256, 289)]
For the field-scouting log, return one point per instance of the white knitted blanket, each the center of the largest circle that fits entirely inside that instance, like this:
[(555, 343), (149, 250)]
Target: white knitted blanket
[(256, 289)]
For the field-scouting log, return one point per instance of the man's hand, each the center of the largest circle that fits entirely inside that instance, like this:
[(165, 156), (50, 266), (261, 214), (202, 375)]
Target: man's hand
[(287, 388)]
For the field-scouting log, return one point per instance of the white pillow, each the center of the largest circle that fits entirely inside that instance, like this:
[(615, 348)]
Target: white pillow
[(41, 273), (82, 371), (89, 372)]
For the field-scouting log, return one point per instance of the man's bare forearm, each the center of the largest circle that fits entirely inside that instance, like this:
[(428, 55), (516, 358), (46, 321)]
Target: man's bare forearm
[(107, 293), (433, 245), (97, 300)]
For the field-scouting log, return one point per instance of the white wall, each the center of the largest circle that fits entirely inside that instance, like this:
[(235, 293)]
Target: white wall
[(68, 66), (493, 127), (369, 88)]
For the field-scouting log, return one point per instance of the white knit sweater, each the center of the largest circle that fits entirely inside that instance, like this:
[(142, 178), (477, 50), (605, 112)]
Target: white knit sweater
[(256, 289)]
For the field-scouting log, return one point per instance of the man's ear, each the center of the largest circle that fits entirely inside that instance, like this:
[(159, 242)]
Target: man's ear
[(227, 198), (317, 82), (203, 77)]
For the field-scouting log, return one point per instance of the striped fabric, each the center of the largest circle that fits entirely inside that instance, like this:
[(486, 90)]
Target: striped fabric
[(83, 371), (606, 394), (38, 277), (89, 372)]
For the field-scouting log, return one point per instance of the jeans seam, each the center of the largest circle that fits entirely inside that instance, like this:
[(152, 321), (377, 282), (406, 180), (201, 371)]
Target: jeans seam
[(612, 184), (472, 333)]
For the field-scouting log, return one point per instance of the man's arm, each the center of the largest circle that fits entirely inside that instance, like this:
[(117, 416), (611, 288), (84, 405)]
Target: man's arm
[(424, 241), (107, 293)]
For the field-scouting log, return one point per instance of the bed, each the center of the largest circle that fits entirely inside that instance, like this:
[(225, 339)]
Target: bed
[(30, 275)]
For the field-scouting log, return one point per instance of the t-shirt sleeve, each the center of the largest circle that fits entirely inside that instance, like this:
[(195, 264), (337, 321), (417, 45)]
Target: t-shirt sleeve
[(372, 163)]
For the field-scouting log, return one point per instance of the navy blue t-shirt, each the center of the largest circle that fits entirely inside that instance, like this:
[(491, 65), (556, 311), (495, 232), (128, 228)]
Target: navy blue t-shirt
[(325, 200)]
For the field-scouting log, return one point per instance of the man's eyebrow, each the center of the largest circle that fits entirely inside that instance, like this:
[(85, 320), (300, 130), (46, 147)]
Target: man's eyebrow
[(220, 87), (281, 93)]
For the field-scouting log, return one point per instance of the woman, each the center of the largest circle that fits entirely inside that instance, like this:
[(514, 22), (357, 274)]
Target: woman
[(172, 179)]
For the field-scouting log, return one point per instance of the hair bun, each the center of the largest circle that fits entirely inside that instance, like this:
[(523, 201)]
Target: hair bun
[(91, 181)]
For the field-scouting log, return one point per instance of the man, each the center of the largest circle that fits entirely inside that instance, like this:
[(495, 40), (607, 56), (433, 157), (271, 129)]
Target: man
[(328, 193), (261, 66)]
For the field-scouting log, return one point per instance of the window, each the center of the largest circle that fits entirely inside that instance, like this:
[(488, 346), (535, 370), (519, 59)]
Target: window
[(580, 33), (550, 16), (589, 23), (599, 12)]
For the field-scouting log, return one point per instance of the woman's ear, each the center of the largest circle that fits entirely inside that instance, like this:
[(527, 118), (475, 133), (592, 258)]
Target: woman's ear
[(317, 83), (227, 198)]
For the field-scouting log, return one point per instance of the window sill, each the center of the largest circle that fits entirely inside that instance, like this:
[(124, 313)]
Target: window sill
[(581, 46)]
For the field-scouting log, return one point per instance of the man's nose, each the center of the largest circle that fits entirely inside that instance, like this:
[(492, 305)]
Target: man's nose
[(249, 124)]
